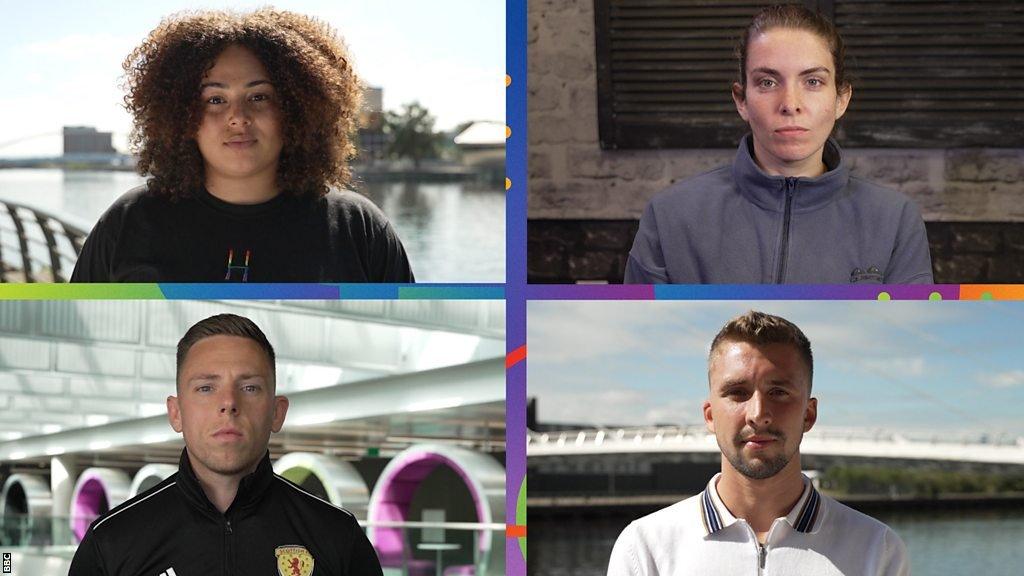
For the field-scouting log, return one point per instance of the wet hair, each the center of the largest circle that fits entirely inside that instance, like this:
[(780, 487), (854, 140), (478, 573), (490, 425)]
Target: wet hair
[(224, 325), (795, 16), (760, 329), (317, 91)]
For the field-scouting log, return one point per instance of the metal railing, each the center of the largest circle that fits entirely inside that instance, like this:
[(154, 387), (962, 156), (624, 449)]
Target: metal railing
[(36, 246), (660, 434), (822, 441)]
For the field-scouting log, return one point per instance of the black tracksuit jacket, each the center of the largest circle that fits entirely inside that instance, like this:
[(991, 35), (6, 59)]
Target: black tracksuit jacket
[(174, 530)]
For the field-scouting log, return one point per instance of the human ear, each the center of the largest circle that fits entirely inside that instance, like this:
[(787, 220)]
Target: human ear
[(811, 414), (843, 100), (174, 413), (280, 410), (709, 420), (740, 99)]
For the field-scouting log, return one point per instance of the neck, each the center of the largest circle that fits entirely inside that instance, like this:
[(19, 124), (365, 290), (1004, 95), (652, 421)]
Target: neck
[(760, 502), (220, 489), (810, 167), (253, 189)]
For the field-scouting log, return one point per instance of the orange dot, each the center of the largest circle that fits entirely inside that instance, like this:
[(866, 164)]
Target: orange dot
[(508, 183), (508, 132), (508, 80)]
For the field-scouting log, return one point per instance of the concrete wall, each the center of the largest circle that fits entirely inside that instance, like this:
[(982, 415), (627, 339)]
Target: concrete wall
[(572, 179)]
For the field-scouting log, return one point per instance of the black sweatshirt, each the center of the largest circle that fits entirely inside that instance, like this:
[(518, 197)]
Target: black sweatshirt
[(148, 237), (174, 529)]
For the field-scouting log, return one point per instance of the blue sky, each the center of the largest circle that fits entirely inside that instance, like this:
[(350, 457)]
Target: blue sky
[(61, 61), (933, 367)]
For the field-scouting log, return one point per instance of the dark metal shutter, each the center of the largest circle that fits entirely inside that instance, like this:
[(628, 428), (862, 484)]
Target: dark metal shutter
[(929, 73), (934, 74)]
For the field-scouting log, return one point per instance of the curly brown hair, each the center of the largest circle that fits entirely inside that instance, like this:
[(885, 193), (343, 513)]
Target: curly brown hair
[(309, 67)]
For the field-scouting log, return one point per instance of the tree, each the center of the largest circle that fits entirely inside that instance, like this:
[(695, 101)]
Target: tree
[(411, 133)]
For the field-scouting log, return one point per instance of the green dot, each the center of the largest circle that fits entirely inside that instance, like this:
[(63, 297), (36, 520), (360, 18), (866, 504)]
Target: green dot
[(521, 514), (884, 296), (986, 295), (935, 296)]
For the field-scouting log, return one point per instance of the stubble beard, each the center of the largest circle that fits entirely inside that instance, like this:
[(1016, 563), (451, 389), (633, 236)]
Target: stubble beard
[(761, 467), (224, 460), (230, 464)]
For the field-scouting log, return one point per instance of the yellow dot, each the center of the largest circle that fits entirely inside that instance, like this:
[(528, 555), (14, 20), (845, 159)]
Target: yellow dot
[(508, 80), (935, 296), (884, 296), (508, 183), (508, 131)]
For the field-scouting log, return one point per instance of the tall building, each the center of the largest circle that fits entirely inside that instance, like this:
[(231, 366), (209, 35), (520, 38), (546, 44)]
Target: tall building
[(86, 140)]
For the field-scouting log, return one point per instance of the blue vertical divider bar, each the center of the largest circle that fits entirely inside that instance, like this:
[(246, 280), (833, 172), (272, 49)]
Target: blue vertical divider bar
[(515, 287)]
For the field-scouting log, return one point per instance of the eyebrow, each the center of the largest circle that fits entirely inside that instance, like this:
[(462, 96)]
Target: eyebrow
[(213, 376), (774, 72), (206, 85), (734, 382), (744, 382)]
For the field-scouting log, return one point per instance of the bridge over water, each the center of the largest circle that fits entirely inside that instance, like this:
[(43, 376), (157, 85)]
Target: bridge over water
[(820, 441), (651, 467)]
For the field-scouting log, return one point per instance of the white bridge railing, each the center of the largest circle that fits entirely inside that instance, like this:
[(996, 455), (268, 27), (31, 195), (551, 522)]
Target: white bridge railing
[(821, 441)]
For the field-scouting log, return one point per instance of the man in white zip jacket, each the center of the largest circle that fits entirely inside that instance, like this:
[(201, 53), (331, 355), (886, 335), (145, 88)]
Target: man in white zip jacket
[(760, 515)]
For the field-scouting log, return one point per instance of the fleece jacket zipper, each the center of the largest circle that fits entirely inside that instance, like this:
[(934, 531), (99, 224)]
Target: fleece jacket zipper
[(780, 273)]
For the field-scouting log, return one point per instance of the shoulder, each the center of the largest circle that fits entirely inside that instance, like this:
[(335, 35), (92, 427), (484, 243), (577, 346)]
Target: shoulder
[(681, 518), (139, 511), (140, 196), (310, 504), (353, 210), (877, 197), (348, 201), (646, 539), (136, 201), (842, 519), (855, 536), (696, 192)]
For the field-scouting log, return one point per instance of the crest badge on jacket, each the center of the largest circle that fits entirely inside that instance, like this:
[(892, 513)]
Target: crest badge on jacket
[(293, 561)]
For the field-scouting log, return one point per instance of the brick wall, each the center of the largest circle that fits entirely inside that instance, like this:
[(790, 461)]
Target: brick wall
[(573, 183), (568, 251)]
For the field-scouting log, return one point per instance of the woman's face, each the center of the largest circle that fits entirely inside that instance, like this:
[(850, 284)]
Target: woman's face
[(240, 133), (791, 100)]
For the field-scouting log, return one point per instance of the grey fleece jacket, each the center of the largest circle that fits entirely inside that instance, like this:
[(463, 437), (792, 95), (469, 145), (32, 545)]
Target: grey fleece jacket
[(738, 225)]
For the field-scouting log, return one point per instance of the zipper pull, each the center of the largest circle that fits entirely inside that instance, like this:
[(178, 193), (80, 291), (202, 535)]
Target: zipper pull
[(762, 552), (227, 526)]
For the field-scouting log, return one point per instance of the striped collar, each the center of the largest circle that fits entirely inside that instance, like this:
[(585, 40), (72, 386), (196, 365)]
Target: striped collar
[(803, 517)]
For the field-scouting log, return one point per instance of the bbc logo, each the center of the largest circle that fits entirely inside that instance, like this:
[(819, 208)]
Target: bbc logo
[(7, 562)]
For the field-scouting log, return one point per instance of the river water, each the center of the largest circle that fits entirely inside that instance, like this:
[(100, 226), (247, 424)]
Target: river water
[(453, 232), (964, 542)]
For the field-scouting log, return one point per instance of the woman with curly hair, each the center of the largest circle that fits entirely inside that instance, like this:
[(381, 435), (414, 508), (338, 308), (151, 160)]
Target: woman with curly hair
[(244, 124)]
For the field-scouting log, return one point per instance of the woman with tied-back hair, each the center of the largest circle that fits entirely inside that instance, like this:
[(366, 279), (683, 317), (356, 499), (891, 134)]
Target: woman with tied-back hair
[(244, 125), (787, 210)]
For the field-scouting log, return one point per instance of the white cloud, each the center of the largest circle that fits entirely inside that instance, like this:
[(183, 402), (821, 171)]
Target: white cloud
[(615, 407), (896, 367), (674, 412), (561, 332), (607, 407), (1008, 379)]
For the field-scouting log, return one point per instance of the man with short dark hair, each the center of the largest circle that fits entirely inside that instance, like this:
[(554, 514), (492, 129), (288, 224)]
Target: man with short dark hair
[(760, 514), (225, 511)]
